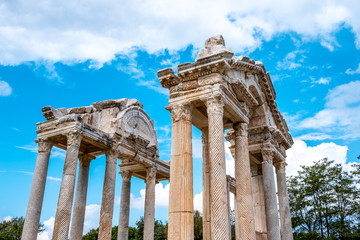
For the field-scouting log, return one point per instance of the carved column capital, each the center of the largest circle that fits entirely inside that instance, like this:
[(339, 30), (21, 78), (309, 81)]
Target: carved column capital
[(180, 112), (267, 155), (150, 173), (85, 160), (126, 175), (280, 166), (111, 155), (215, 105), (74, 138), (44, 145), (241, 129)]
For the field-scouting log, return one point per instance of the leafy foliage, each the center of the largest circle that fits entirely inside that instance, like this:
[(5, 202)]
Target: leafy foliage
[(324, 201), (11, 230)]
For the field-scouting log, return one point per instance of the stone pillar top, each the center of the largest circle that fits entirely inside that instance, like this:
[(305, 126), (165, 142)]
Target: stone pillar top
[(241, 129), (74, 138), (267, 155), (150, 173), (44, 145), (214, 45), (215, 104), (85, 160), (180, 112), (126, 175), (280, 166)]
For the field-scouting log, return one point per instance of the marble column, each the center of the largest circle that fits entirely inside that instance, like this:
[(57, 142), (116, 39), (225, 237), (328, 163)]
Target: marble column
[(206, 185), (228, 199), (284, 207), (244, 200), (33, 211), (181, 206), (219, 219), (123, 229), (77, 223), (107, 204), (271, 208), (66, 196), (149, 213)]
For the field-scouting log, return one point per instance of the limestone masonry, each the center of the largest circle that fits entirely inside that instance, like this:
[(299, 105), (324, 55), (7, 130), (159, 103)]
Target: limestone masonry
[(218, 92)]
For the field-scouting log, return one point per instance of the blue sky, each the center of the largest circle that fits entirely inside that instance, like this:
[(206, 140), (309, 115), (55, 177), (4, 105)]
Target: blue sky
[(72, 54)]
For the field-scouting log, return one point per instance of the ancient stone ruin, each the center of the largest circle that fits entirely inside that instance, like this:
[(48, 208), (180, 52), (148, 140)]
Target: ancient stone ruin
[(217, 93)]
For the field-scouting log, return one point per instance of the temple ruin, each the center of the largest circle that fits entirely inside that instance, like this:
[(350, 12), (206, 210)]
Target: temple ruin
[(224, 96)]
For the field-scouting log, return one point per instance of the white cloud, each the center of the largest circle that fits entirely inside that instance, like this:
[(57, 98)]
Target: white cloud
[(92, 217), (36, 30), (322, 80), (161, 197), (55, 152), (292, 60), (352, 72), (198, 202), (48, 229), (48, 177), (339, 117), (5, 89), (7, 218), (302, 154)]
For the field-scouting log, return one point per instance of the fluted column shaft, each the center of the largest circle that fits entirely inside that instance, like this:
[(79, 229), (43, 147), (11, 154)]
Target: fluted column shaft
[(284, 207), (149, 214), (66, 196), (244, 200), (107, 204), (77, 223), (181, 206), (272, 219), (218, 192), (123, 229), (33, 211), (206, 185)]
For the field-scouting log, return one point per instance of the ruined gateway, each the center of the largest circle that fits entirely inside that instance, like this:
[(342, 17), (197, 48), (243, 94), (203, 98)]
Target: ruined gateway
[(218, 92)]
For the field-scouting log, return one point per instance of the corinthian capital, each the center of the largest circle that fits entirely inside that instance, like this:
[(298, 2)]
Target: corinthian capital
[(280, 166), (85, 160), (180, 112), (44, 145), (267, 155), (74, 138), (241, 129), (126, 175), (150, 173), (215, 105)]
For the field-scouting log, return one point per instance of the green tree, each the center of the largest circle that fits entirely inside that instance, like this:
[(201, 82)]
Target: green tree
[(324, 202), (11, 230), (198, 227)]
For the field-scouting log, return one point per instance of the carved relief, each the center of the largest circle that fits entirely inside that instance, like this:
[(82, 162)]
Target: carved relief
[(180, 112)]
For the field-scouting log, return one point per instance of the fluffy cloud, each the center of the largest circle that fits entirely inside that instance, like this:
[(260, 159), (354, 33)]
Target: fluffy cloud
[(302, 154), (352, 72), (337, 118), (161, 197), (81, 30), (49, 228), (5, 89)]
